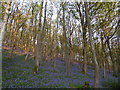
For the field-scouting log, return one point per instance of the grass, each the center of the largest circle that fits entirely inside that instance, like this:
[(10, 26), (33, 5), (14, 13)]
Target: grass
[(75, 86)]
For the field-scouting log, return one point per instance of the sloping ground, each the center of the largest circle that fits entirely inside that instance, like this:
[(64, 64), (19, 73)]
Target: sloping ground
[(18, 73)]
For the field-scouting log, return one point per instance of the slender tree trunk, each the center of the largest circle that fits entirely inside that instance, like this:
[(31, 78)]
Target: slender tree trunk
[(43, 33), (31, 30), (114, 63), (83, 22), (65, 42), (84, 52), (96, 82), (104, 56), (34, 36), (118, 52), (115, 69), (104, 70), (38, 47)]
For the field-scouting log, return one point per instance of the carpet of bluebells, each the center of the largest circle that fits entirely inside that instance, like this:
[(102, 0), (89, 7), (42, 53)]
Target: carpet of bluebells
[(18, 73)]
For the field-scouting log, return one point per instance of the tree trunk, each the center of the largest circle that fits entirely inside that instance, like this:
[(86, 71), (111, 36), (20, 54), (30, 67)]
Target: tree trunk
[(43, 33), (96, 81), (115, 69), (84, 52), (111, 57), (84, 68), (65, 42), (2, 36), (104, 56), (4, 26), (104, 71), (38, 45), (118, 56)]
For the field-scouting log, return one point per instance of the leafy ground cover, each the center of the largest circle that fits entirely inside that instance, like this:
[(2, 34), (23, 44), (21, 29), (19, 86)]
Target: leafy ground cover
[(18, 73)]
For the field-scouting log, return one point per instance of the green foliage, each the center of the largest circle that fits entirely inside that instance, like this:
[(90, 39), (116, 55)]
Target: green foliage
[(116, 75), (111, 83), (58, 48), (86, 85), (75, 86), (2, 9), (35, 70)]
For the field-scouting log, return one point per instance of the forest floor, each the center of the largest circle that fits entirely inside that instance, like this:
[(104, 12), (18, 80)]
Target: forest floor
[(18, 73)]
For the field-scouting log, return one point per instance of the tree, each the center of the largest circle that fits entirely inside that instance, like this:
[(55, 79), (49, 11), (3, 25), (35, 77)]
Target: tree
[(37, 28), (65, 42), (96, 83), (5, 23), (2, 35), (83, 25), (38, 54)]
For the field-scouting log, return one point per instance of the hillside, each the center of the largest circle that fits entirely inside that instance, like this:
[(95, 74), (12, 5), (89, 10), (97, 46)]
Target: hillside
[(18, 73)]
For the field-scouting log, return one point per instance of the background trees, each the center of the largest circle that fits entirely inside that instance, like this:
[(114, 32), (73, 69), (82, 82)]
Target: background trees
[(67, 30)]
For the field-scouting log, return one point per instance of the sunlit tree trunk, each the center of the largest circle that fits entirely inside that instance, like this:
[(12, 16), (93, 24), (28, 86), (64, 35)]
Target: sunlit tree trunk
[(38, 47), (34, 36), (6, 17), (96, 82), (2, 36), (4, 26)]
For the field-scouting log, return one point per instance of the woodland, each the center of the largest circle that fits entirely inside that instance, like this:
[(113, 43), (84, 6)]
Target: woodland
[(60, 44)]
